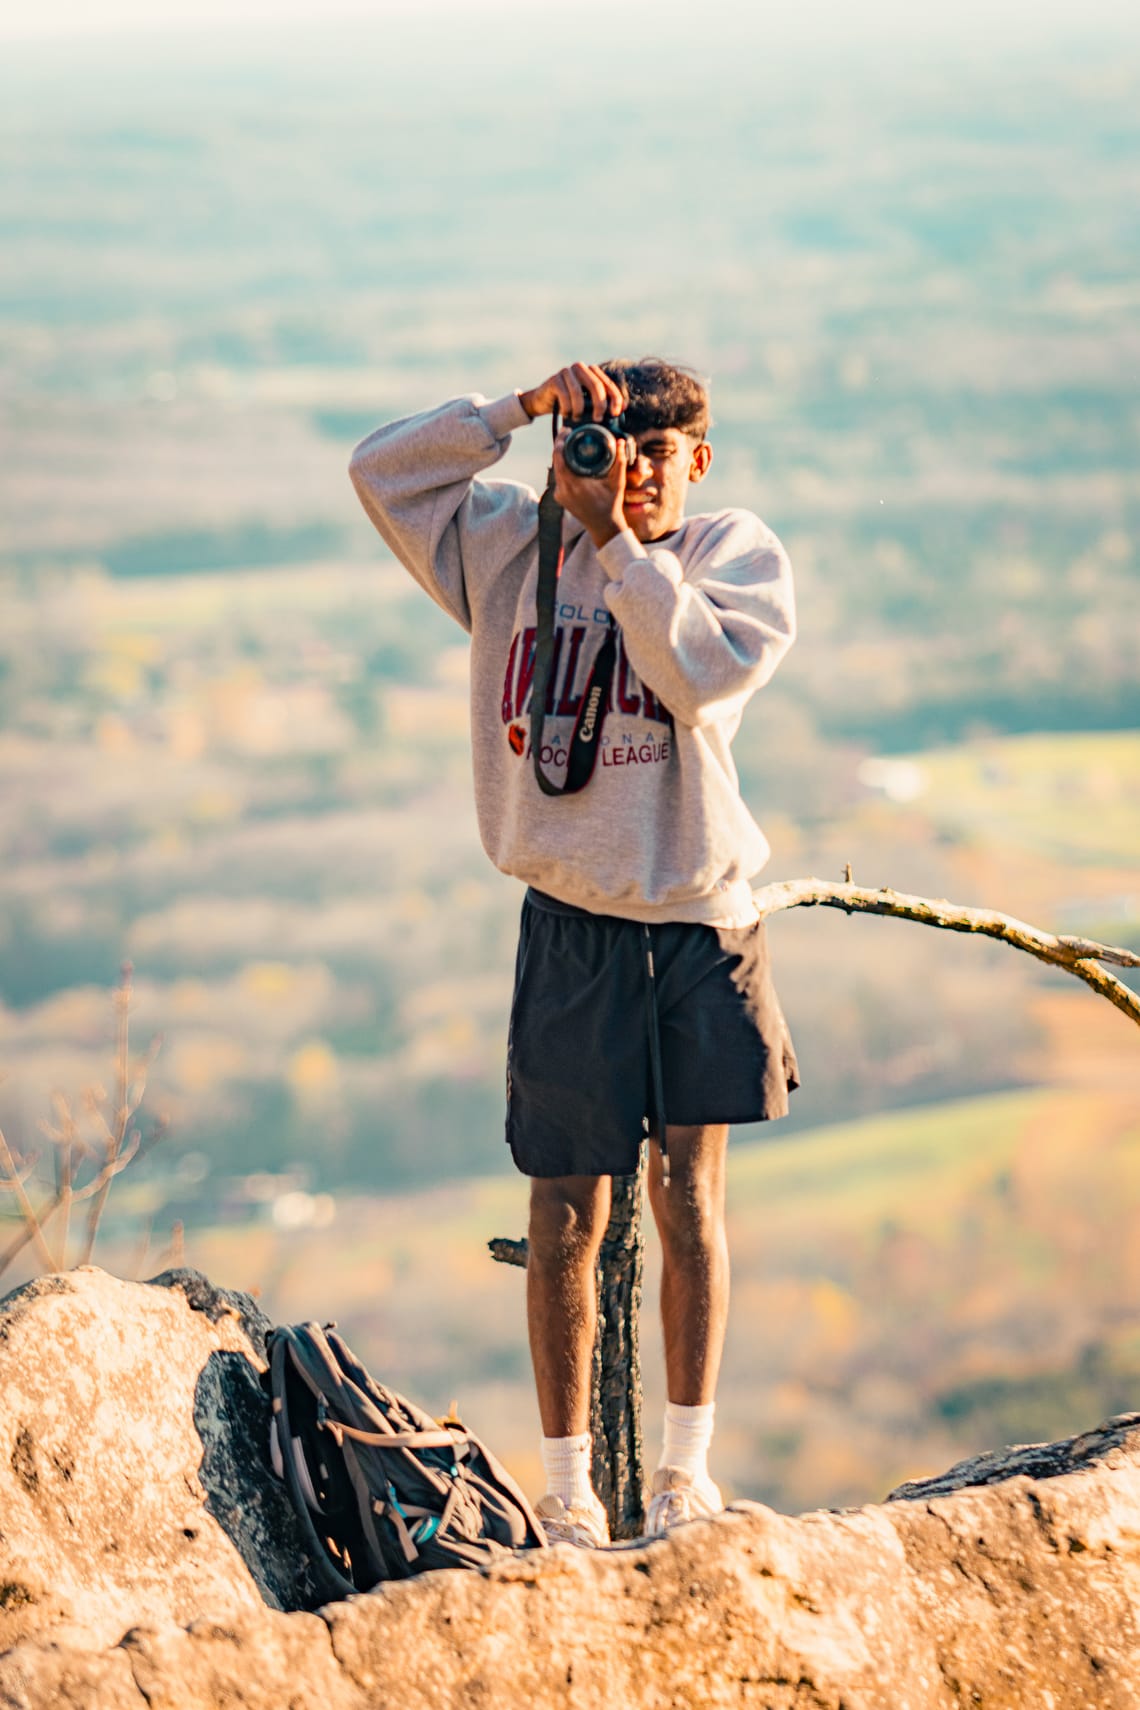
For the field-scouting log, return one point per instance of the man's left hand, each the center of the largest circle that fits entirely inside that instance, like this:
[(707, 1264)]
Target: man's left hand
[(596, 500)]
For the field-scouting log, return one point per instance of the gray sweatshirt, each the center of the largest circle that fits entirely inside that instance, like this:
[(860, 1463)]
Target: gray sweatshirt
[(704, 617)]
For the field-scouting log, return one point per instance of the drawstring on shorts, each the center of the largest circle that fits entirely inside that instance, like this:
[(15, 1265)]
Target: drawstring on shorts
[(655, 1051)]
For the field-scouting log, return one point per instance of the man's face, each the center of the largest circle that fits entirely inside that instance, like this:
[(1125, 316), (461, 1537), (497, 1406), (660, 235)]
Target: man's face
[(657, 485)]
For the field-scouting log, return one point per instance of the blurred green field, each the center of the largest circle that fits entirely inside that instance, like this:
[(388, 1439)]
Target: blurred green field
[(1072, 796), (840, 1177)]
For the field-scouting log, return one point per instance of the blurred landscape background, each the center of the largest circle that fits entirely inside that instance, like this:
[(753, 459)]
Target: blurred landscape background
[(233, 736)]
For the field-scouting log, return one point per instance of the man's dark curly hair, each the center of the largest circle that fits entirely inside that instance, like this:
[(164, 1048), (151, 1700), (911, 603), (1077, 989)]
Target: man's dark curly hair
[(661, 395)]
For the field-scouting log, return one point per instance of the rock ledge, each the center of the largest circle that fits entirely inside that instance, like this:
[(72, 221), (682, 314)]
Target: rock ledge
[(149, 1561)]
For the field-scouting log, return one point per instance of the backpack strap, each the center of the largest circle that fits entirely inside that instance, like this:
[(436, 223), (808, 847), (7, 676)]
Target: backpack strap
[(398, 1439), (319, 1366), (329, 1578)]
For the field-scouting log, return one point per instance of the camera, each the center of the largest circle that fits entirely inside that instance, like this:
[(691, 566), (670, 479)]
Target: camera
[(590, 447)]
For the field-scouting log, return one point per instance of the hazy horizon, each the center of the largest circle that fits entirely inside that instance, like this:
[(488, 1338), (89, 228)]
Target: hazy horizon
[(817, 23)]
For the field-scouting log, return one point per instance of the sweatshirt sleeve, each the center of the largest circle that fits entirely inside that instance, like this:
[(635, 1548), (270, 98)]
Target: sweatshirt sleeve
[(704, 635), (416, 480)]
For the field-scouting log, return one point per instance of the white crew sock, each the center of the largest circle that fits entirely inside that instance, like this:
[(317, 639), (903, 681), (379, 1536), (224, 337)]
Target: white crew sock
[(688, 1434), (566, 1463)]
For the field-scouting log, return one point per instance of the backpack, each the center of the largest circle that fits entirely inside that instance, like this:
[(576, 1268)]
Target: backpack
[(382, 1490)]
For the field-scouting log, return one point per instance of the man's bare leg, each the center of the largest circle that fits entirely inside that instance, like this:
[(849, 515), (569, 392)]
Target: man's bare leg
[(694, 1259), (568, 1217), (694, 1311)]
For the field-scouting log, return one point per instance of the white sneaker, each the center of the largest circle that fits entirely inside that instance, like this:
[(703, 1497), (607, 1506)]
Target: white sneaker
[(581, 1523), (674, 1498)]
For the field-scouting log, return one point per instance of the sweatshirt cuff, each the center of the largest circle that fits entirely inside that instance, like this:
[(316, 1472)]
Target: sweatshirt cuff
[(504, 415), (616, 556)]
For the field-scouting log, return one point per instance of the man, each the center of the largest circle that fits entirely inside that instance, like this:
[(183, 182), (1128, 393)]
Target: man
[(643, 1001)]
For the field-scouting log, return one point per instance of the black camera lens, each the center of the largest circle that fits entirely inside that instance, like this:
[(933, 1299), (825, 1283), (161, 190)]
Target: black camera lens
[(589, 450)]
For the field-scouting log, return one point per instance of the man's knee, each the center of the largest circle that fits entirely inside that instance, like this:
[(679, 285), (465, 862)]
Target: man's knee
[(568, 1216), (689, 1213), (690, 1225)]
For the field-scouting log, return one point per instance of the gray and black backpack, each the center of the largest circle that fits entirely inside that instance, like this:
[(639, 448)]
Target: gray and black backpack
[(382, 1490)]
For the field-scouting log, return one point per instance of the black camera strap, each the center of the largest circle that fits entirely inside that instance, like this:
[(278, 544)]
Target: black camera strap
[(586, 740)]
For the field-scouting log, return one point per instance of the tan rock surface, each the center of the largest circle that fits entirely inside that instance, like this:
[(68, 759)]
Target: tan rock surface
[(131, 1419), (134, 1477)]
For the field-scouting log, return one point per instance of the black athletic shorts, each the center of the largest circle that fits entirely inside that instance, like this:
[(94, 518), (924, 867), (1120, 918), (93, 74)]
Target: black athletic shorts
[(579, 1068)]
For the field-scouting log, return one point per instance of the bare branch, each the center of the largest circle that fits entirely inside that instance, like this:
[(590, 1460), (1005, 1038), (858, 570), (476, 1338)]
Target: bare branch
[(509, 1252), (136, 1268), (100, 1183), (175, 1254), (65, 1140), (615, 1386), (123, 1112), (11, 1178), (14, 1249), (64, 1182), (94, 1102), (25, 1169), (115, 1145), (1078, 956)]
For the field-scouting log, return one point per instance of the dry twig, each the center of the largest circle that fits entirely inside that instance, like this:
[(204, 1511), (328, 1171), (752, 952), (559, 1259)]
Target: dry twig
[(13, 1179), (120, 1145), (509, 1252), (116, 1135), (1079, 956)]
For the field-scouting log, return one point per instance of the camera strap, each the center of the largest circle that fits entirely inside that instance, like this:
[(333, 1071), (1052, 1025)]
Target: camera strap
[(586, 740)]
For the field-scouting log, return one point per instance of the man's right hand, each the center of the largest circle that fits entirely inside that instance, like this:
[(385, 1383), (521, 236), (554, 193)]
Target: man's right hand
[(581, 390)]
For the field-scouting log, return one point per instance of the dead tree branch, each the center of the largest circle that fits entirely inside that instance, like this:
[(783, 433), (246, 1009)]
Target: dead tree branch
[(13, 1179), (1079, 956), (30, 1228), (117, 1133), (615, 1400), (116, 1145), (509, 1252)]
